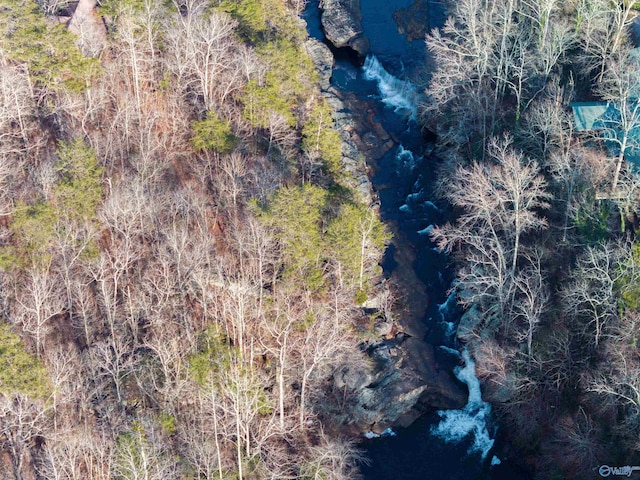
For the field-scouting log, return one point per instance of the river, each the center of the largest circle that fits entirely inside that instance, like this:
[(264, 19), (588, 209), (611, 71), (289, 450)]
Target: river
[(456, 444)]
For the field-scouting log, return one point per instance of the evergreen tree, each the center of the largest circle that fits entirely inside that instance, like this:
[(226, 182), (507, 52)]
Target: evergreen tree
[(296, 213), (20, 372), (48, 49), (320, 140), (355, 238)]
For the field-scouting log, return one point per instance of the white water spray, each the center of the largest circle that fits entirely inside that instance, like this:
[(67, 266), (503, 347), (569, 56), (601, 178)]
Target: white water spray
[(387, 433), (405, 158), (471, 420), (401, 95)]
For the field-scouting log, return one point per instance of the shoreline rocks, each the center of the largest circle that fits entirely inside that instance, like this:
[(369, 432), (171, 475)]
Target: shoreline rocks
[(322, 59), (406, 380), (342, 23)]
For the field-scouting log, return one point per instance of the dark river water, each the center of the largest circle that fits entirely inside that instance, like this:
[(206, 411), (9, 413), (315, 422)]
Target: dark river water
[(463, 444)]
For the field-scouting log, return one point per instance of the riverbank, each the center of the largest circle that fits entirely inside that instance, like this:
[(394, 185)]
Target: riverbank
[(408, 379), (400, 168)]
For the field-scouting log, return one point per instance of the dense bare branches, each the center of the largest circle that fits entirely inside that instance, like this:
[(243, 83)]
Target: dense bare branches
[(16, 110), (499, 204), (619, 86), (38, 301), (22, 420), (601, 28), (155, 295), (591, 296), (551, 308), (205, 56)]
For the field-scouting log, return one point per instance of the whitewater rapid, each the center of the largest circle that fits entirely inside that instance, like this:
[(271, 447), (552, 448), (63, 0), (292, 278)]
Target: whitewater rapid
[(457, 425), (398, 94), (471, 424)]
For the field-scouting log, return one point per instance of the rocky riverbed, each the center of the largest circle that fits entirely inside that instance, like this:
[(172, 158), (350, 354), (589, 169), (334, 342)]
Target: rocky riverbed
[(407, 380)]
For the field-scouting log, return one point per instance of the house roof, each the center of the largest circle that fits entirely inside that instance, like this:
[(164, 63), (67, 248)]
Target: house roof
[(605, 116), (586, 114)]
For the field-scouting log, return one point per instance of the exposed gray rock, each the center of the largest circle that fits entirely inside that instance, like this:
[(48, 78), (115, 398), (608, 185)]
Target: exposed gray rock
[(364, 139), (469, 323), (89, 27), (342, 23), (403, 386), (351, 378), (383, 326), (322, 58)]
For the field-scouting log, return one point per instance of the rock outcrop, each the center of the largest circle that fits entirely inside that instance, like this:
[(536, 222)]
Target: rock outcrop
[(342, 23), (322, 59), (407, 382), (89, 27), (363, 139), (406, 379)]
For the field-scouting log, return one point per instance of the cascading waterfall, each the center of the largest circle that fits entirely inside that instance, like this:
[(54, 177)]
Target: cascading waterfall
[(401, 95), (455, 425), (472, 419)]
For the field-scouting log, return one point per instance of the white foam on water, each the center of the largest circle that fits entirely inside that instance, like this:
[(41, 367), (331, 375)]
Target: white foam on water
[(449, 330), (405, 158), (472, 419), (387, 433), (398, 94)]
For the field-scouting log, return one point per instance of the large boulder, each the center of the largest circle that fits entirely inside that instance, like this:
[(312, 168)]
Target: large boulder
[(342, 23), (322, 59), (404, 382), (363, 139), (89, 27), (469, 322)]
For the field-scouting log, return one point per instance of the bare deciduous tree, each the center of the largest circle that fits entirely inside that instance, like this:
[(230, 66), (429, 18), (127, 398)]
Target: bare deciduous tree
[(321, 347), (22, 420), (532, 300), (204, 54), (38, 300), (333, 458), (140, 455), (590, 296), (500, 203), (601, 28)]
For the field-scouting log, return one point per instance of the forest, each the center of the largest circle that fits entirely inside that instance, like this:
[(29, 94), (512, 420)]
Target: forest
[(182, 258), (535, 106)]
